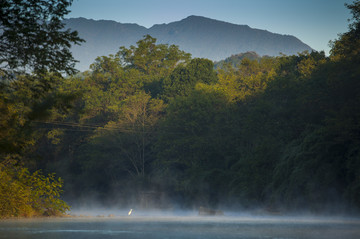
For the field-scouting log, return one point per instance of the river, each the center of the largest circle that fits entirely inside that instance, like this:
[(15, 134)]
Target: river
[(181, 227)]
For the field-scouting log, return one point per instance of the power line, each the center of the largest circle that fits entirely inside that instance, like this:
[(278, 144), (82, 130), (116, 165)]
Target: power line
[(94, 127), (91, 128)]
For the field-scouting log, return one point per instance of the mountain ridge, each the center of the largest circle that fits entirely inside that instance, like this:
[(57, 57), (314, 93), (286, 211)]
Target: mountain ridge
[(201, 36)]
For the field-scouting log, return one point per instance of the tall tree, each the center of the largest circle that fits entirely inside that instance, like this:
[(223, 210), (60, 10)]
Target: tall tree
[(348, 42), (150, 58), (33, 42), (34, 52), (33, 38)]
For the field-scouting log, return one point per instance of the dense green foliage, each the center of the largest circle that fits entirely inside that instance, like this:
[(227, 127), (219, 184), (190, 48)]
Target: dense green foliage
[(277, 132), (282, 133), (33, 39), (28, 194), (34, 51)]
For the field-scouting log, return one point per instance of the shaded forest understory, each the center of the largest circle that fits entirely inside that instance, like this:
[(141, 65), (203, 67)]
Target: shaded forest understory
[(150, 126)]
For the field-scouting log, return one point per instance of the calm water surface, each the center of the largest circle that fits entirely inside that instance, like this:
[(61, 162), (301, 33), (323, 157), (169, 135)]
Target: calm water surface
[(181, 227)]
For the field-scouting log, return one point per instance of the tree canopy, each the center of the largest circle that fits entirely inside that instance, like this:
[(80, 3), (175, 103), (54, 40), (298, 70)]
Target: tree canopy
[(33, 38), (34, 53)]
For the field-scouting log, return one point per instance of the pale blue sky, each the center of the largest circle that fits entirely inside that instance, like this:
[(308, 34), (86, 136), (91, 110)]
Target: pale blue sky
[(315, 22)]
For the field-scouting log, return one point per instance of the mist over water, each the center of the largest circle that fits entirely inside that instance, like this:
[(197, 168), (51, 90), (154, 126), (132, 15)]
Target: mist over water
[(112, 223)]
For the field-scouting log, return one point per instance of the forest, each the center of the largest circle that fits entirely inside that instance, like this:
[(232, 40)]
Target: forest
[(150, 126)]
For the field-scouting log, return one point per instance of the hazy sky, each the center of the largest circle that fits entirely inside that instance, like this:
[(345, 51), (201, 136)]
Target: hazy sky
[(315, 22)]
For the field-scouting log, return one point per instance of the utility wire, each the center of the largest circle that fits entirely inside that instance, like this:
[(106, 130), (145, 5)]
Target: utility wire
[(93, 127)]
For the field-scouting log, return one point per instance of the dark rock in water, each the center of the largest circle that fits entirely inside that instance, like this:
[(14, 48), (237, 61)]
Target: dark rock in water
[(210, 212)]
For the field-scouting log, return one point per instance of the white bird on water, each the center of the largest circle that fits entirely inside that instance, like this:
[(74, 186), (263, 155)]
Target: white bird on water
[(130, 212)]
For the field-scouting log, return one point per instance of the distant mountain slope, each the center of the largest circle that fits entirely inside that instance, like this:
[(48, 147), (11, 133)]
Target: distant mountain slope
[(235, 60), (102, 38), (200, 36)]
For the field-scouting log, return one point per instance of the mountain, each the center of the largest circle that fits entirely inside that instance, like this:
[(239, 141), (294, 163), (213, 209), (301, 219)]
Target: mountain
[(236, 59), (200, 36), (102, 37)]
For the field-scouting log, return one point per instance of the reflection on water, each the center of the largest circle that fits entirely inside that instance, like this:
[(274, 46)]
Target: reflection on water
[(181, 227)]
